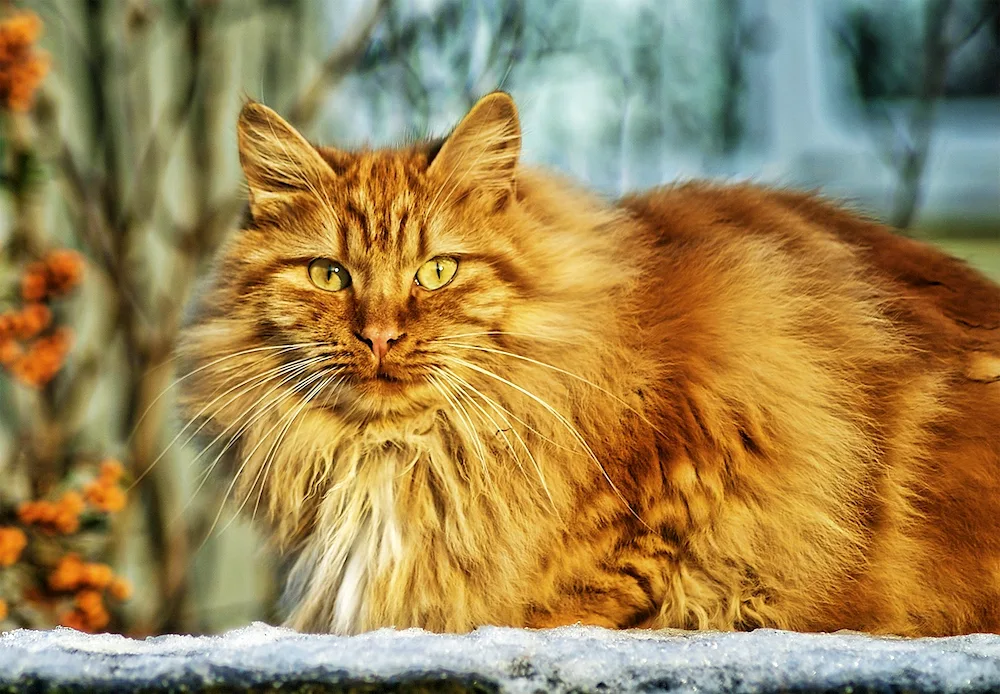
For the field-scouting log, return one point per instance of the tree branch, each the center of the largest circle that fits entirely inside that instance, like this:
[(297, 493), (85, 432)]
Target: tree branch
[(936, 57), (336, 66), (992, 9)]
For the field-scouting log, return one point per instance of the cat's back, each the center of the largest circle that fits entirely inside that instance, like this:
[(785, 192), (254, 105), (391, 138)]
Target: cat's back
[(805, 280), (936, 299), (842, 341)]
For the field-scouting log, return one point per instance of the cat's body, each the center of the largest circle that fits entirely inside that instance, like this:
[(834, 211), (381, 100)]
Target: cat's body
[(704, 407)]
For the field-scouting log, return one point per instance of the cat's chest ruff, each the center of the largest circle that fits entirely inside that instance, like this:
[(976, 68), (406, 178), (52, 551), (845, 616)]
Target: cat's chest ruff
[(370, 534), (407, 524), (373, 538)]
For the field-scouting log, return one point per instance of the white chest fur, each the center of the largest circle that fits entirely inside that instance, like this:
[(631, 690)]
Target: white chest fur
[(400, 523), (371, 546), (358, 537)]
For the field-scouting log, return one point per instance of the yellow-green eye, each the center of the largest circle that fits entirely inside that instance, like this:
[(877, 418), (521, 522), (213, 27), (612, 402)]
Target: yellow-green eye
[(437, 272), (329, 275)]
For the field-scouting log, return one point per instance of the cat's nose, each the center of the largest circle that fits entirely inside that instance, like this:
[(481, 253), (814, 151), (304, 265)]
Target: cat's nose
[(379, 338)]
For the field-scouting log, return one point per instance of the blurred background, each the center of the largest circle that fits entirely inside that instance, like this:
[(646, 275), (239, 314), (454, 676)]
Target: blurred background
[(120, 177)]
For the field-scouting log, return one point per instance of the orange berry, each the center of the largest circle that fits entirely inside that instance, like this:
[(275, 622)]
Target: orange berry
[(66, 522), (115, 500), (93, 492), (27, 512), (62, 581), (98, 619), (65, 269), (105, 497), (34, 281), (27, 371), (120, 588), (21, 67), (61, 516), (97, 575), (68, 573), (20, 29), (12, 543), (91, 605), (44, 358), (6, 325), (74, 619), (10, 351), (3, 609), (111, 470), (88, 600), (47, 511), (37, 512), (72, 501), (36, 318), (22, 326), (61, 340)]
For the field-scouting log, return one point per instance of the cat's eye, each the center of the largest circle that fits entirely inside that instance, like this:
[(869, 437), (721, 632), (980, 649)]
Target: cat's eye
[(329, 275), (437, 272)]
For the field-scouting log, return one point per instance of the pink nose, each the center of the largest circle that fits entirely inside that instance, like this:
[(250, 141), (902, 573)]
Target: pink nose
[(379, 339)]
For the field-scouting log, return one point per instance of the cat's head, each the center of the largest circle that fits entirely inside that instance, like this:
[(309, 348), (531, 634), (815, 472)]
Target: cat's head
[(359, 272), (359, 262)]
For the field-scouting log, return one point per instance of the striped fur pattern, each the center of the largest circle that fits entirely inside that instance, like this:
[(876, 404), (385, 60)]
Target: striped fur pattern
[(701, 406)]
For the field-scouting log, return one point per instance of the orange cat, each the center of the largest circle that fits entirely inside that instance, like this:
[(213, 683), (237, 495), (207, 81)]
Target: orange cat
[(467, 392)]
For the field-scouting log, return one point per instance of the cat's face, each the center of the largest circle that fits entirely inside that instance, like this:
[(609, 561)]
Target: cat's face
[(370, 263)]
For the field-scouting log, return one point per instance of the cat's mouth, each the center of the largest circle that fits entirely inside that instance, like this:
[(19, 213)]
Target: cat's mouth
[(385, 393), (387, 377), (386, 381)]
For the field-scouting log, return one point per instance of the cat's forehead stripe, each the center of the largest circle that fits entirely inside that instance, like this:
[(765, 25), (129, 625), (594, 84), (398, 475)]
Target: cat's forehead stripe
[(381, 195)]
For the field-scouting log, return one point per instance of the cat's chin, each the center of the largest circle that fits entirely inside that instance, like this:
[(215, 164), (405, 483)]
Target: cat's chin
[(388, 397)]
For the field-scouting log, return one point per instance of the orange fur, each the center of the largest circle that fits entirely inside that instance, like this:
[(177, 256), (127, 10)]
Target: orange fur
[(712, 407)]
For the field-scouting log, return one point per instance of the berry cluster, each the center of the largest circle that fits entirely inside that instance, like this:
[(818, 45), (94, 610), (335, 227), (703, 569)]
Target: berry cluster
[(31, 349), (104, 492), (56, 275), (56, 580), (88, 582), (59, 516), (12, 543), (22, 68)]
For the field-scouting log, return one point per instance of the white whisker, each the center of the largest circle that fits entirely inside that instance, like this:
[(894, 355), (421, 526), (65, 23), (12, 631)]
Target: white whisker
[(246, 457), (277, 348), (562, 420), (490, 333), (272, 451), (252, 414), (462, 383), (466, 422), (242, 385), (557, 369)]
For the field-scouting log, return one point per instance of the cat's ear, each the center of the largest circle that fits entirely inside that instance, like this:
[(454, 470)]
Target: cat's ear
[(275, 158), (483, 150)]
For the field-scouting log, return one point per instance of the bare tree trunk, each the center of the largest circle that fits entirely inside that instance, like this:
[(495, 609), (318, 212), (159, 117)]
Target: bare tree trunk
[(911, 170), (938, 51)]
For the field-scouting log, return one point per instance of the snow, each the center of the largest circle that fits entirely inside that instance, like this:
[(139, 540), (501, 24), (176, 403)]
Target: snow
[(582, 659)]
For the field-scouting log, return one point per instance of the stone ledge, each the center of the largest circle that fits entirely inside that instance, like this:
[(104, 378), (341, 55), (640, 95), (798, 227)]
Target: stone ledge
[(572, 659)]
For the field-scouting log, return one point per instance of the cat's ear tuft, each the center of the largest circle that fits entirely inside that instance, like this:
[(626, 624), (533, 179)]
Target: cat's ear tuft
[(483, 150), (276, 159)]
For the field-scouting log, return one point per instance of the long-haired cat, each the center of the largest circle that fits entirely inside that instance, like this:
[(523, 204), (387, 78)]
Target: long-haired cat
[(462, 391)]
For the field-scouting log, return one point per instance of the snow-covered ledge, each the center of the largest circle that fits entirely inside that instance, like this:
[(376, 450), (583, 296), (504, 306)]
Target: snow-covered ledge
[(571, 659)]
